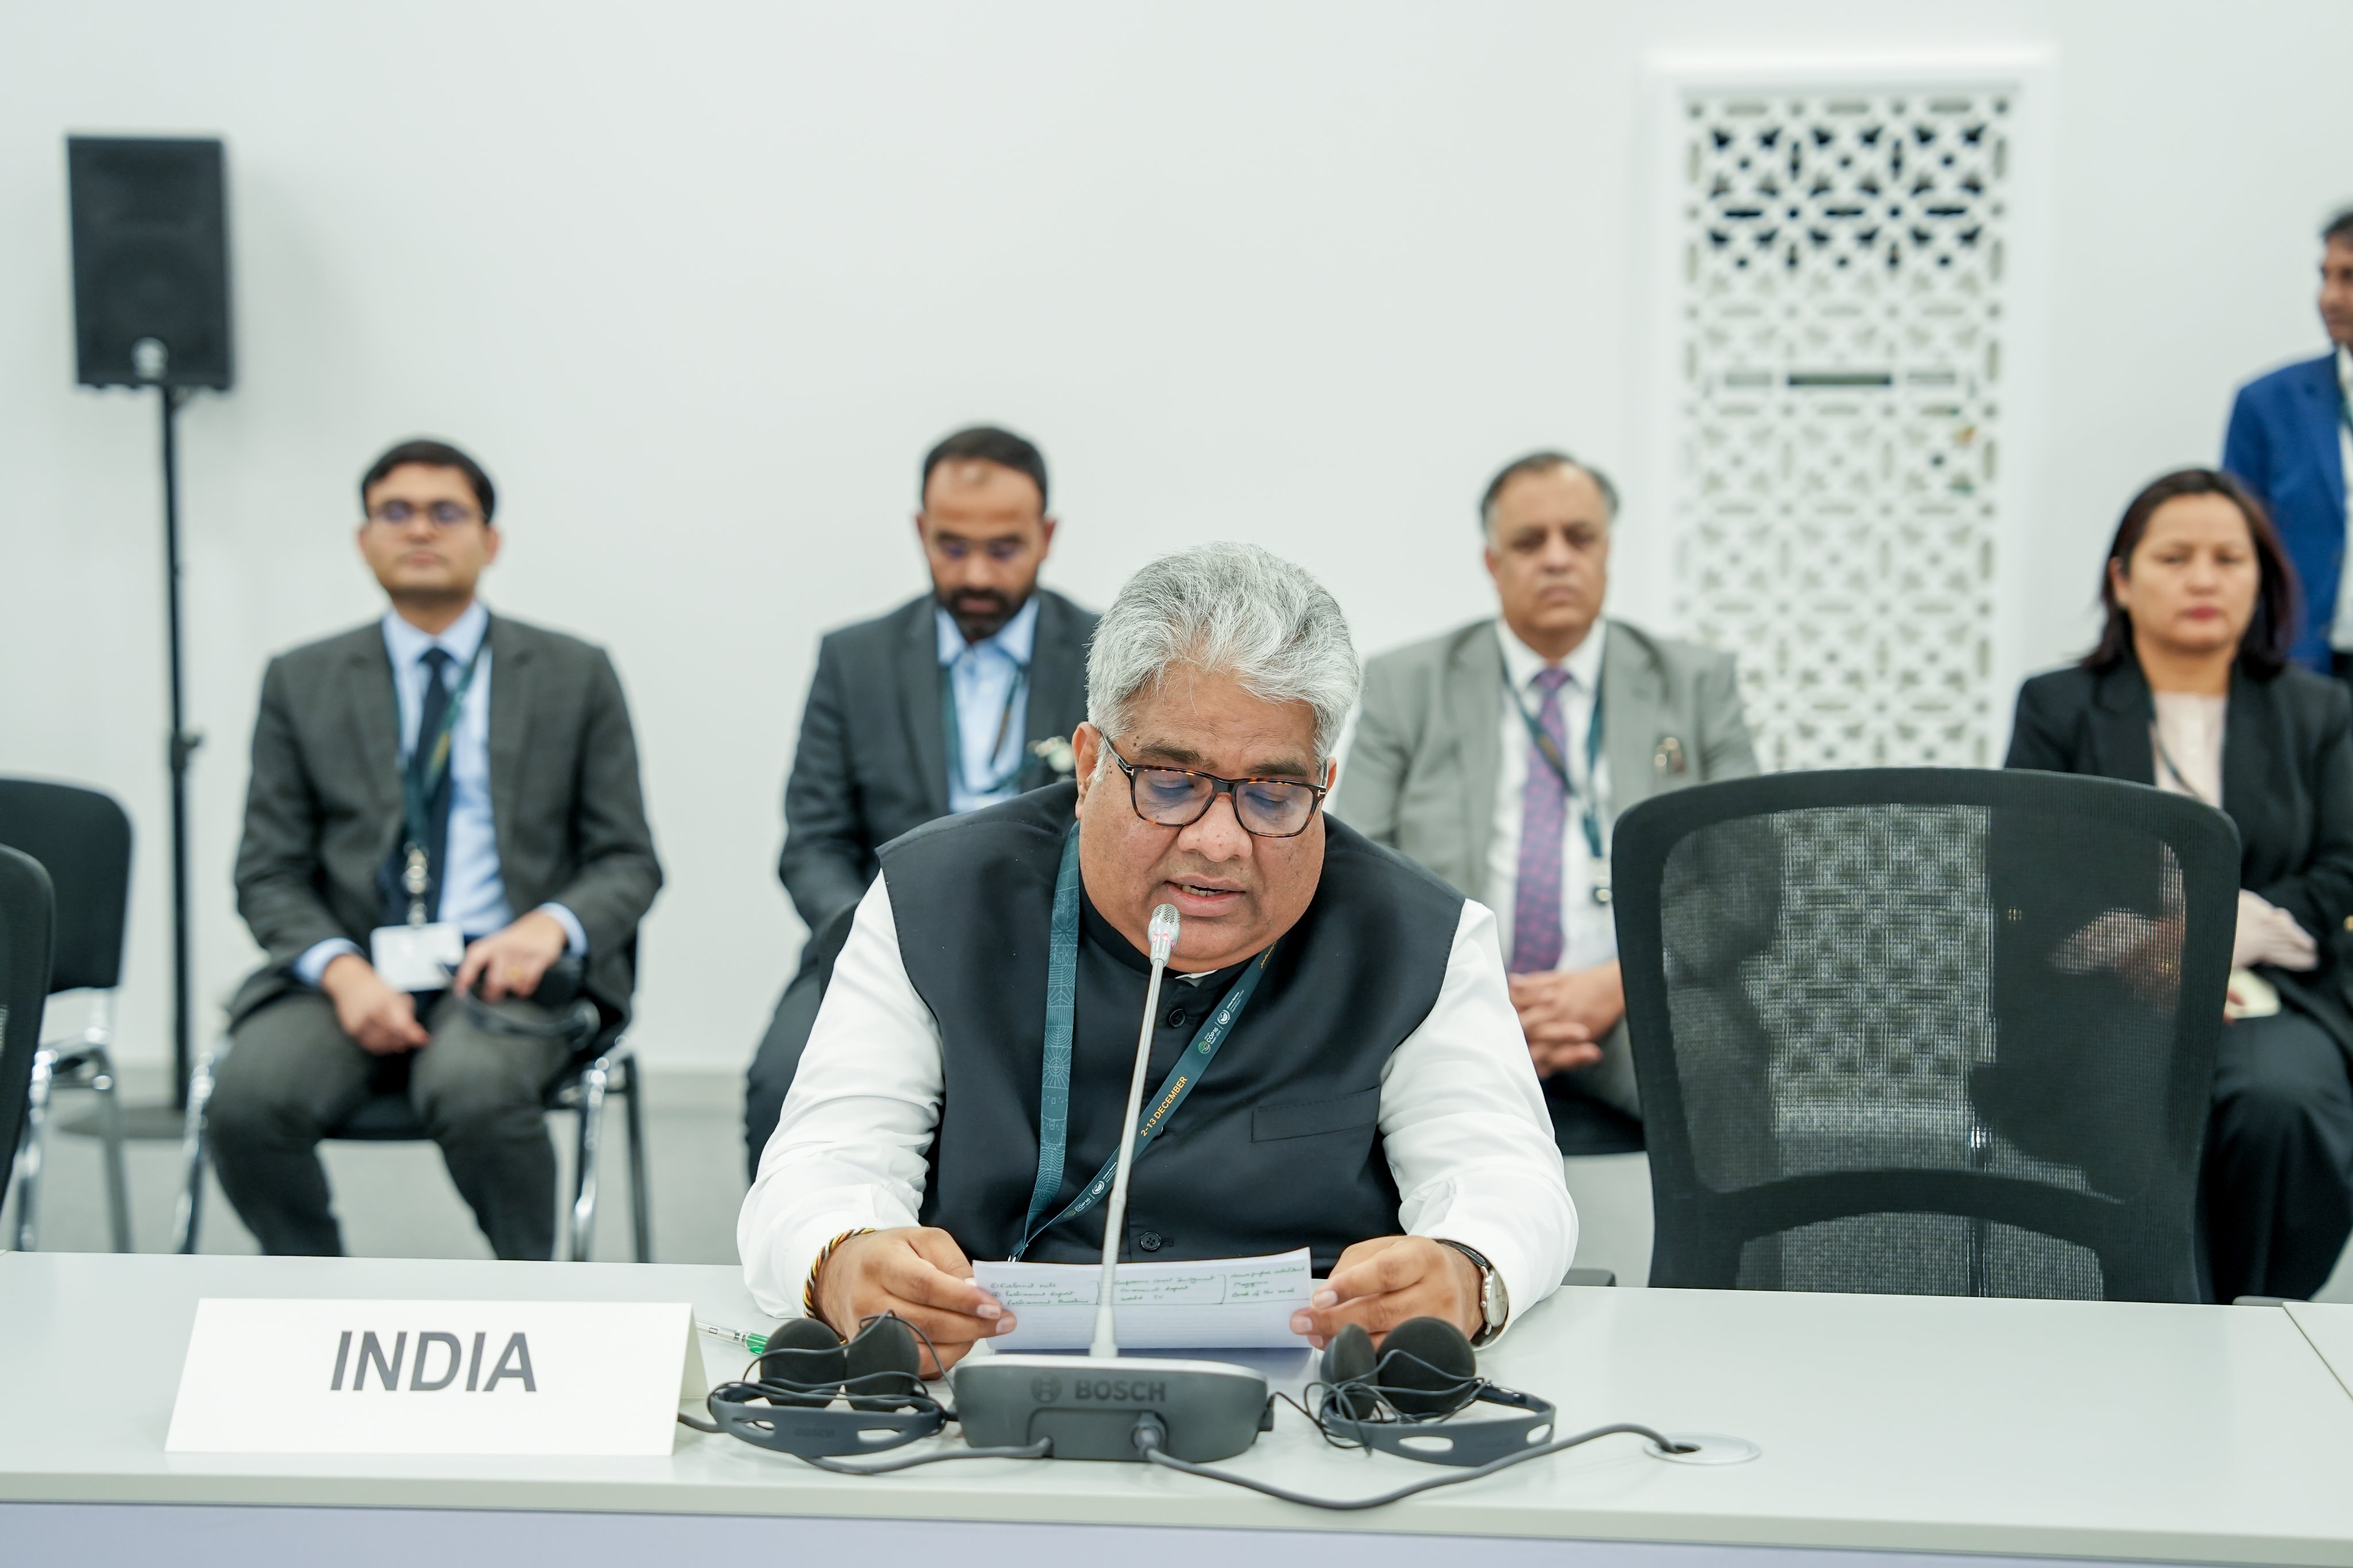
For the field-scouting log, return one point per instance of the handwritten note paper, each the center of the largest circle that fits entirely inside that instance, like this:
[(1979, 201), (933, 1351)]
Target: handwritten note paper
[(1226, 1303)]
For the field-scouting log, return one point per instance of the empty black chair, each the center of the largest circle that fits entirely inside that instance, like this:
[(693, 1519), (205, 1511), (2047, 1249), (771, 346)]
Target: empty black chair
[(82, 839), (28, 916), (1926, 1031)]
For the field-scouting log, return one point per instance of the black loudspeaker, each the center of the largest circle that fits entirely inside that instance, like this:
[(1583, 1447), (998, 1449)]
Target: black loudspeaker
[(150, 260)]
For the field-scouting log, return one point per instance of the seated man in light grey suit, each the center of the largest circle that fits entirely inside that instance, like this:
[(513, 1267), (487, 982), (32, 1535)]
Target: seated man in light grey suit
[(1498, 755), (443, 810)]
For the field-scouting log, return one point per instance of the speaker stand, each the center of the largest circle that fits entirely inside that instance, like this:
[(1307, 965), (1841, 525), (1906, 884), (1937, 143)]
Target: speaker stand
[(164, 1121), (167, 1120), (180, 747)]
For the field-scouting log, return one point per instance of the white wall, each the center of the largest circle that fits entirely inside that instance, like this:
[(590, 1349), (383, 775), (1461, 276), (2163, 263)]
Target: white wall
[(700, 282)]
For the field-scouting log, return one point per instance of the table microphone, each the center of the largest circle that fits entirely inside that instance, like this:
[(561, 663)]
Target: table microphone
[(1090, 1407), (1162, 936)]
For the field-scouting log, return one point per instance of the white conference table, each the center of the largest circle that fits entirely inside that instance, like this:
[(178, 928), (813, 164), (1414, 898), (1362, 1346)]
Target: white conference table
[(1890, 1427), (2329, 1328)]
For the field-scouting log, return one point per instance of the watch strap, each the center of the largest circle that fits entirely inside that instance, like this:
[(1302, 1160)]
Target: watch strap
[(1489, 1291)]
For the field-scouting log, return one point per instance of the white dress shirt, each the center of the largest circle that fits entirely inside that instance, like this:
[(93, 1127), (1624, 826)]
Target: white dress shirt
[(2341, 628), (992, 710), (473, 891), (1588, 932), (1462, 1119)]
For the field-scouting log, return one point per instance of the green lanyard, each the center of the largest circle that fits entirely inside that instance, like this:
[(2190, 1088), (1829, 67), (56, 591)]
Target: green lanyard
[(1054, 1088), (1589, 799), (428, 764), (1004, 724)]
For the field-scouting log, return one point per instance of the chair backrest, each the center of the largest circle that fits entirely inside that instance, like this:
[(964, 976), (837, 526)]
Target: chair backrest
[(83, 836), (1926, 1031), (26, 920)]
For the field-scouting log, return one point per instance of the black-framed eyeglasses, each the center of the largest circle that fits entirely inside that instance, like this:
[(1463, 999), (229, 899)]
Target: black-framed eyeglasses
[(440, 514), (1180, 797)]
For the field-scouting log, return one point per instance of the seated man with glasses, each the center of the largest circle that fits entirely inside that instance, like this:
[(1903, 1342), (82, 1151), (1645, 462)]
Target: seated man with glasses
[(417, 782), (1354, 1080)]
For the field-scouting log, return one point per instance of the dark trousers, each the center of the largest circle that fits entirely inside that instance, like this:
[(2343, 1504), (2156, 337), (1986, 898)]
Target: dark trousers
[(293, 1075), (2279, 1158)]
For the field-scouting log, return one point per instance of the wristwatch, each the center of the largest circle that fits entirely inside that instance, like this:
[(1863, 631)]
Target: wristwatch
[(1494, 1301)]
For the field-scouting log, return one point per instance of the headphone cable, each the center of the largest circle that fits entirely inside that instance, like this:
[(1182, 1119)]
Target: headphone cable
[(1149, 1434), (1043, 1449)]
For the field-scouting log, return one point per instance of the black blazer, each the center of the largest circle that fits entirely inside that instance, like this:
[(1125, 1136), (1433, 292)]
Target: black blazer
[(323, 805), (872, 762), (2288, 785)]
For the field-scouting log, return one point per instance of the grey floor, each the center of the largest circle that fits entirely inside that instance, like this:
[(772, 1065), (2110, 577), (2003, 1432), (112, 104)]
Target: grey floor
[(395, 1201)]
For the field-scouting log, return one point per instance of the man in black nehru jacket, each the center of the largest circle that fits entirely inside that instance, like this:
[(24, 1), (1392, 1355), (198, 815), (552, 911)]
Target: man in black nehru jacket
[(1361, 1072)]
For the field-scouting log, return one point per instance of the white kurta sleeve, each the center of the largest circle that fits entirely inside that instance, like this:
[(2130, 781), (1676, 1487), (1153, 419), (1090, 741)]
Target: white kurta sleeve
[(850, 1149), (1468, 1137)]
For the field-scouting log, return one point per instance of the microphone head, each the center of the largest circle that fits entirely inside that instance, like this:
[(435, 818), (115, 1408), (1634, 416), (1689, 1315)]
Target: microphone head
[(1162, 932)]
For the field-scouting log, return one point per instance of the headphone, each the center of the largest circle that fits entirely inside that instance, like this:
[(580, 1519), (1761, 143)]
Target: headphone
[(816, 1396), (1395, 1398)]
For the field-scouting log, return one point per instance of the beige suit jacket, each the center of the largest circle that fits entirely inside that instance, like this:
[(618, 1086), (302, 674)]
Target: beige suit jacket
[(1421, 775)]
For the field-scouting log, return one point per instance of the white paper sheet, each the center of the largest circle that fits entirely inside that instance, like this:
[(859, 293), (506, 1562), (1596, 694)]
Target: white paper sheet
[(1219, 1303)]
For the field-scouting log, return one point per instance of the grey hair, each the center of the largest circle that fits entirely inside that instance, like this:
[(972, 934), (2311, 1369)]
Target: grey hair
[(1232, 608), (1544, 462)]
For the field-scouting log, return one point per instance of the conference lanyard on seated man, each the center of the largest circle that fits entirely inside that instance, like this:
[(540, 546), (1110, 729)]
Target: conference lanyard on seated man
[(1054, 1089), (422, 954), (1589, 799)]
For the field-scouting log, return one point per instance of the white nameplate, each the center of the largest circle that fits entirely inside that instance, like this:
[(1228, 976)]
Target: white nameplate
[(435, 1377)]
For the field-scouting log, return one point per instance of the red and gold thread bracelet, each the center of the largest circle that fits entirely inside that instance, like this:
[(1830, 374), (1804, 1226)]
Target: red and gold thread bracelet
[(809, 1307)]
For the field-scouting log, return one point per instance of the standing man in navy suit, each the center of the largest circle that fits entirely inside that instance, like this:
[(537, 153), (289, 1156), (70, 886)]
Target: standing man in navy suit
[(2290, 440)]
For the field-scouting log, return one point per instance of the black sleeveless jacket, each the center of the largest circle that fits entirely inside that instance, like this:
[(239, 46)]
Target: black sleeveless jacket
[(1277, 1147)]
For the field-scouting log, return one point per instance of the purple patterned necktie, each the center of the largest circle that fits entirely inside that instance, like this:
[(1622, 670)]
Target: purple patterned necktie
[(1544, 824)]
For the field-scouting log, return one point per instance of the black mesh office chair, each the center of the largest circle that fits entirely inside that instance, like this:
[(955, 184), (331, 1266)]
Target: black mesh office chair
[(82, 839), (603, 1065), (1926, 1031), (28, 916)]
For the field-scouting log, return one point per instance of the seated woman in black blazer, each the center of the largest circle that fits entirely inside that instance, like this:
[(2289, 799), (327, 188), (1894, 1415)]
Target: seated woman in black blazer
[(2190, 689)]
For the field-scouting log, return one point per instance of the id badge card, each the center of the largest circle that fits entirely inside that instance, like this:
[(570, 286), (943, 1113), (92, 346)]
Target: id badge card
[(417, 958)]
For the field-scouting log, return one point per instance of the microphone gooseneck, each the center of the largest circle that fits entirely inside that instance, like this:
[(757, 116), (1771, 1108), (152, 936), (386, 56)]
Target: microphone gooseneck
[(1207, 1409), (1161, 936)]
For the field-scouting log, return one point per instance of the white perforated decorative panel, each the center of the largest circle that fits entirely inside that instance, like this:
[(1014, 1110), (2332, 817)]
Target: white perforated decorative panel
[(1839, 374)]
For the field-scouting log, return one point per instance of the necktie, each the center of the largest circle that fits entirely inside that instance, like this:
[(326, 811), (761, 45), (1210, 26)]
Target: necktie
[(429, 714), (1543, 826)]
